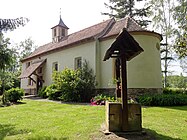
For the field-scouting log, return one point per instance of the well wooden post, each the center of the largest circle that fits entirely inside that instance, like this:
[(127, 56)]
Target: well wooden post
[(118, 84), (124, 93)]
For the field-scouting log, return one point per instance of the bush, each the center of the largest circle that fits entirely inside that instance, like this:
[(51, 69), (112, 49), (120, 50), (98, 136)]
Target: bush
[(52, 92), (42, 93), (75, 85), (163, 100), (101, 99), (174, 91), (14, 95)]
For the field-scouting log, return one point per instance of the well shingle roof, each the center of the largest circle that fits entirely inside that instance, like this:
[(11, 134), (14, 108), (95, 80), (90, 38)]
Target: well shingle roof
[(102, 30)]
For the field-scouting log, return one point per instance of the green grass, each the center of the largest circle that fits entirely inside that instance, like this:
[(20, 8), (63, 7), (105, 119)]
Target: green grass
[(168, 123), (48, 120)]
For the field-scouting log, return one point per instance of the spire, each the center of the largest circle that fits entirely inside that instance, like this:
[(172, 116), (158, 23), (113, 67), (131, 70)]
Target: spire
[(61, 23), (59, 31)]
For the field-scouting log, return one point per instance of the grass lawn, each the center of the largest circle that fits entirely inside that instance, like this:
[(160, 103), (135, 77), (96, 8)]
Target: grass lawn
[(48, 120), (167, 123)]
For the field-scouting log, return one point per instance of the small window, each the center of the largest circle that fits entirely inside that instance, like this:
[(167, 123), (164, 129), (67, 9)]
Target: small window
[(78, 63), (30, 82), (55, 32), (40, 70), (63, 32), (28, 64), (55, 66)]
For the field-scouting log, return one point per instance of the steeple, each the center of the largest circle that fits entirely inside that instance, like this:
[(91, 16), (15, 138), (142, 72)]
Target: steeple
[(59, 31), (61, 23)]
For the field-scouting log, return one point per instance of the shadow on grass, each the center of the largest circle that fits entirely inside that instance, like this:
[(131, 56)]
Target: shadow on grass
[(10, 104), (159, 136), (48, 138), (9, 130), (183, 108), (147, 134)]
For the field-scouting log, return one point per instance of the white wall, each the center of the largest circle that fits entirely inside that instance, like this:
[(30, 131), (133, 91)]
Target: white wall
[(143, 71), (65, 59)]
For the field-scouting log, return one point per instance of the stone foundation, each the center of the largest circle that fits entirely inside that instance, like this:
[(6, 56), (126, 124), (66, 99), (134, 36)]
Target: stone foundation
[(132, 92)]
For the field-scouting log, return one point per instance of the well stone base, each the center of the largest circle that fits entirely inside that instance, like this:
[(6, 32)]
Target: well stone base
[(114, 117)]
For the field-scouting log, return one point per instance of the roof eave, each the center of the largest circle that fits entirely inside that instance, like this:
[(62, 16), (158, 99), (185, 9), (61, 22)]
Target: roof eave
[(59, 48)]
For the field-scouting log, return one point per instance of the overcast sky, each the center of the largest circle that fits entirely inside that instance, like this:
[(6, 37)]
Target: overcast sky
[(44, 14)]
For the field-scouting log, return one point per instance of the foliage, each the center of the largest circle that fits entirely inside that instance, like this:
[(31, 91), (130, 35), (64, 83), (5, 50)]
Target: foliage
[(176, 81), (174, 91), (180, 16), (100, 99), (53, 92), (183, 64), (42, 93), (14, 95), (11, 24), (121, 8), (5, 61), (88, 82), (162, 11), (163, 100), (75, 85), (26, 47), (5, 53)]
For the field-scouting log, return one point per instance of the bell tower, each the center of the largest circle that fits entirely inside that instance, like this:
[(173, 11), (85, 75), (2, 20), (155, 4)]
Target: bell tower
[(59, 31)]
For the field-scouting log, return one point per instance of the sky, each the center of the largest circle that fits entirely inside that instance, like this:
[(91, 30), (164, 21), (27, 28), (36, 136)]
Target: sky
[(44, 14)]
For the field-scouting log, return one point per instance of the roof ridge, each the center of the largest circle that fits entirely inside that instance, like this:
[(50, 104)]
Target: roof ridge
[(105, 30), (89, 27), (134, 21)]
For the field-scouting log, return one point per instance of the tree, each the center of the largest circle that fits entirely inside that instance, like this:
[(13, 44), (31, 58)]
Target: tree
[(121, 8), (5, 59), (180, 17), (11, 24), (161, 18), (5, 52), (183, 64), (176, 81), (26, 47), (180, 47)]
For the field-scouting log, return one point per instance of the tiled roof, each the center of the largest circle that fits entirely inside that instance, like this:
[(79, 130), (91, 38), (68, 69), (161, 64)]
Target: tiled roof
[(102, 30), (31, 69), (127, 23)]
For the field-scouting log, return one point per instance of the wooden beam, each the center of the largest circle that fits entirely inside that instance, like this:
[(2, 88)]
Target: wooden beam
[(32, 79), (38, 77), (124, 94), (118, 84)]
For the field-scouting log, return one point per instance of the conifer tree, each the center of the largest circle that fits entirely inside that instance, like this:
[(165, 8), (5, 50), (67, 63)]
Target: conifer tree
[(122, 8)]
